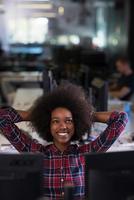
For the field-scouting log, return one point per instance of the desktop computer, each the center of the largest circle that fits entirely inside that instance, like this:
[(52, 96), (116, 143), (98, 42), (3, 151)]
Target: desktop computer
[(109, 176), (21, 176)]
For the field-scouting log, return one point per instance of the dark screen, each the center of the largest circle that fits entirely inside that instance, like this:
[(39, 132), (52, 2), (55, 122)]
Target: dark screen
[(110, 176), (100, 96), (21, 176)]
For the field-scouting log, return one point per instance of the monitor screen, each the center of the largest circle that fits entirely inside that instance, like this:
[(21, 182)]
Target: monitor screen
[(21, 176), (99, 94), (110, 176), (96, 59)]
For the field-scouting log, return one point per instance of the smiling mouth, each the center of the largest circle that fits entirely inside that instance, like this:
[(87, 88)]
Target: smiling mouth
[(62, 134)]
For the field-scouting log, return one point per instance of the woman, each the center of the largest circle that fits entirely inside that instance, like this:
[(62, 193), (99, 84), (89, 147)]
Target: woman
[(61, 117)]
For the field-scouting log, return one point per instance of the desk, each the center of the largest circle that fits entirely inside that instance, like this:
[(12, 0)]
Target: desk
[(21, 98), (10, 80), (124, 142), (21, 76)]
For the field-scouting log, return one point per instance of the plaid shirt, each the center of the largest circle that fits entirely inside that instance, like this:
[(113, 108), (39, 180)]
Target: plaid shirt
[(61, 168)]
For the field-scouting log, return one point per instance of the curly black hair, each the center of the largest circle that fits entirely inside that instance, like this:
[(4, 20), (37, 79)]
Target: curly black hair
[(69, 96)]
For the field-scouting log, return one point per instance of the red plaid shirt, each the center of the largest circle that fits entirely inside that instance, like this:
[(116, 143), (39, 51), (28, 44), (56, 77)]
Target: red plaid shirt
[(61, 169)]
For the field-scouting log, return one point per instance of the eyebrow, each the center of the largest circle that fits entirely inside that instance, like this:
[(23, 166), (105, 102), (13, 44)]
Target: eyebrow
[(58, 118)]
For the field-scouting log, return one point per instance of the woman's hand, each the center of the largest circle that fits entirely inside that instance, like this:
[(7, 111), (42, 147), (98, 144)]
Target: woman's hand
[(24, 114)]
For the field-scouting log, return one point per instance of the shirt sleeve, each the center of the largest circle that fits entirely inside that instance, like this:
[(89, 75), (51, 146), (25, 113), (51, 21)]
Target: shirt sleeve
[(103, 142), (18, 138)]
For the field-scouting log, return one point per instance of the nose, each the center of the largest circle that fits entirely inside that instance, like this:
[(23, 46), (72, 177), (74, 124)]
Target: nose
[(63, 125)]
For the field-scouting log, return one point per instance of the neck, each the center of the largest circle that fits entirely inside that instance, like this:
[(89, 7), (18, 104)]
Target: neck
[(61, 147)]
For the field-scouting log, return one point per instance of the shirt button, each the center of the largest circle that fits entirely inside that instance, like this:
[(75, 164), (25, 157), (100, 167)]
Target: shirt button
[(62, 180), (62, 194)]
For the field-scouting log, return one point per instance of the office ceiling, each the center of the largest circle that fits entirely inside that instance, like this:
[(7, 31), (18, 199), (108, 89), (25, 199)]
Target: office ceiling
[(52, 8)]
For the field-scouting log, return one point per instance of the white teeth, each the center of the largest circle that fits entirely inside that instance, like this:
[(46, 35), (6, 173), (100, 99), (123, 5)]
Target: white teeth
[(62, 134)]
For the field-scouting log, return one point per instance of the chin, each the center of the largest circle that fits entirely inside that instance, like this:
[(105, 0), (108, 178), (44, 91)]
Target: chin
[(63, 141)]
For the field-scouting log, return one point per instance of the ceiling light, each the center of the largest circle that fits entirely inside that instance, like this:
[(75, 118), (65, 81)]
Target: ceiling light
[(1, 6), (61, 10), (35, 6), (47, 15)]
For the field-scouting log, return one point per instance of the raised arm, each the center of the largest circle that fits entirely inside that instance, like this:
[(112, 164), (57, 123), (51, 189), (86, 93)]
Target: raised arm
[(21, 141), (102, 117), (116, 122)]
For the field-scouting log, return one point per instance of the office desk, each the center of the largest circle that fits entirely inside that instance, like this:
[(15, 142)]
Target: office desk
[(21, 76), (21, 98), (10, 81), (125, 141)]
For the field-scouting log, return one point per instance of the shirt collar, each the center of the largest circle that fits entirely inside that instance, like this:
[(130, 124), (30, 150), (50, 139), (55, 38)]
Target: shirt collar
[(69, 149)]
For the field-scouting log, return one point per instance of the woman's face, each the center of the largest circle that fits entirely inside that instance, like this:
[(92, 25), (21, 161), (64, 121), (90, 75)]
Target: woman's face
[(62, 126)]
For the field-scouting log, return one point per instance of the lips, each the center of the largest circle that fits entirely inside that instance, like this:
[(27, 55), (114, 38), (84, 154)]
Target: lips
[(62, 134)]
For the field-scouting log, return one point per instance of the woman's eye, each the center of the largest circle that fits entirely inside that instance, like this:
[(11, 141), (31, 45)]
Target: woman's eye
[(69, 121), (54, 121)]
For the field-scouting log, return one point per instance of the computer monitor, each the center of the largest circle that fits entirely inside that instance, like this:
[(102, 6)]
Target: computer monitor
[(21, 176), (109, 176), (99, 94), (94, 59)]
